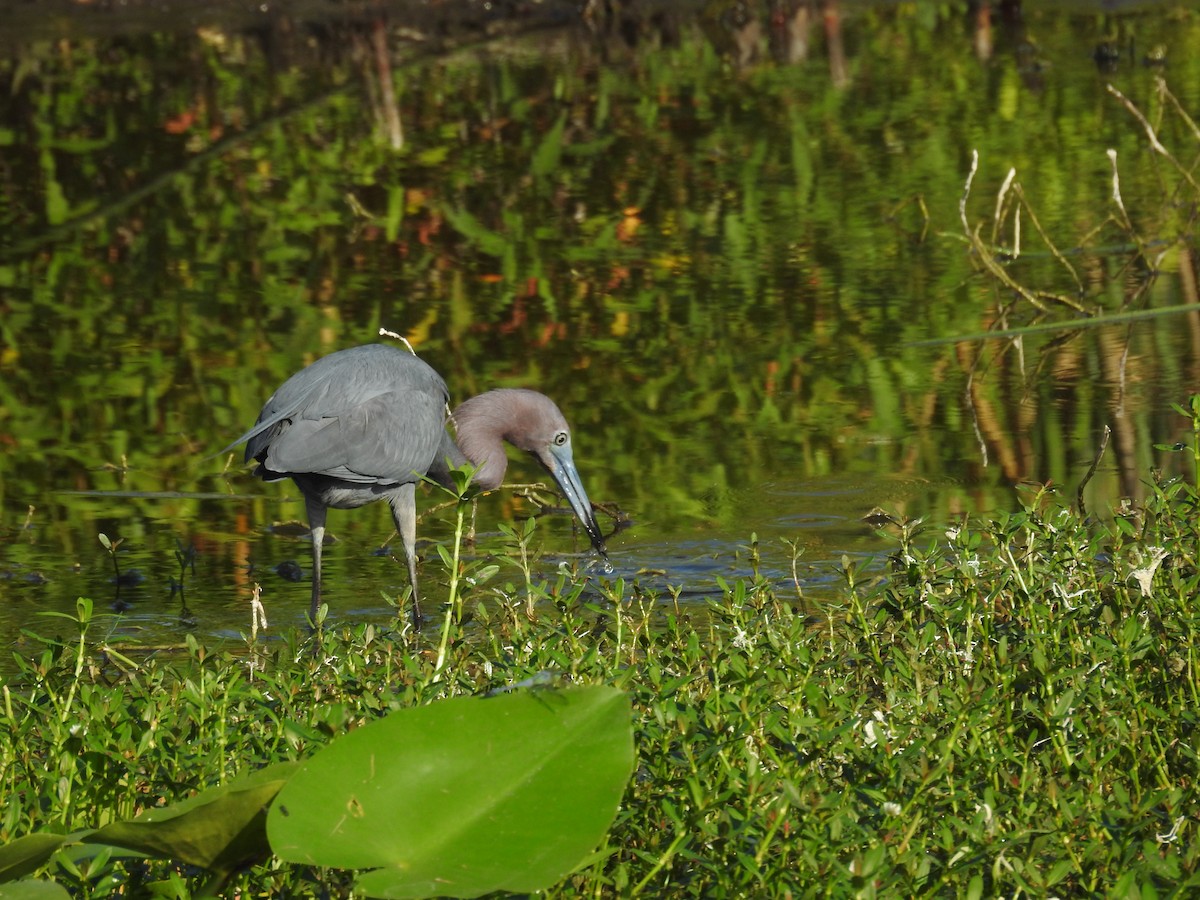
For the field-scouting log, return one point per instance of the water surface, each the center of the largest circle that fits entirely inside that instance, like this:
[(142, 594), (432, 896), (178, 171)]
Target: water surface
[(737, 262)]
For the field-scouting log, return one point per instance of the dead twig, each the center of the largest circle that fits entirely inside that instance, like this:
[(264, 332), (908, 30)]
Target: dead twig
[(1155, 143), (1161, 85), (1037, 299), (1091, 471), (1054, 251)]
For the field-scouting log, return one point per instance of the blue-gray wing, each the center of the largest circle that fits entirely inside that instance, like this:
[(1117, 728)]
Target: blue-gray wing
[(371, 415)]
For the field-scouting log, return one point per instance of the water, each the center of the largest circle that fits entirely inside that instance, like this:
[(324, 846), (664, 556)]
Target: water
[(728, 276)]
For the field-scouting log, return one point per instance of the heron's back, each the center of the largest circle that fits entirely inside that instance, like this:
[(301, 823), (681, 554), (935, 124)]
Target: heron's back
[(367, 415)]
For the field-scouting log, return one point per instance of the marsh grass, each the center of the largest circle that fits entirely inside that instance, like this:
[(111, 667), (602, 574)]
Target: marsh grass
[(1012, 711)]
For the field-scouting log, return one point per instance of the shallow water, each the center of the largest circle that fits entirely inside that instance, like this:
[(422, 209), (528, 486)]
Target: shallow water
[(721, 272)]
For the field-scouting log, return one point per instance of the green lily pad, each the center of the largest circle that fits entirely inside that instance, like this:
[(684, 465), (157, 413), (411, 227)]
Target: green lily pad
[(464, 796)]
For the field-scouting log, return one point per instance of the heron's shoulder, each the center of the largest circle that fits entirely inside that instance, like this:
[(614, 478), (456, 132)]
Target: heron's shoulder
[(377, 359), (356, 375)]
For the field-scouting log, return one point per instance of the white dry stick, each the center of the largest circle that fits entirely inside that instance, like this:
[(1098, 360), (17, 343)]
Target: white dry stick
[(383, 332), (1116, 191), (1000, 198), (258, 614), (962, 204), (986, 257), (1154, 141), (1137, 114), (1160, 87), (1112, 158)]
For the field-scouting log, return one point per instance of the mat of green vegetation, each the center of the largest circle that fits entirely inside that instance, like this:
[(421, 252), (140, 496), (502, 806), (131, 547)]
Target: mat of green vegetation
[(1008, 709)]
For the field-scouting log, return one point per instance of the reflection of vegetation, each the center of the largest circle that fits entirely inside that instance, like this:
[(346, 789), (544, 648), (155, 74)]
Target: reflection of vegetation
[(699, 262), (1142, 259)]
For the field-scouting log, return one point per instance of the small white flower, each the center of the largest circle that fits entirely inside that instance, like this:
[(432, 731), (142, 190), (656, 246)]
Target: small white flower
[(1064, 596), (751, 748), (741, 639), (1145, 575), (1171, 836), (891, 809), (875, 729)]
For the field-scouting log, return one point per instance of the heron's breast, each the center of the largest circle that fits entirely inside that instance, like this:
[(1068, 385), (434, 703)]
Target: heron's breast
[(336, 493)]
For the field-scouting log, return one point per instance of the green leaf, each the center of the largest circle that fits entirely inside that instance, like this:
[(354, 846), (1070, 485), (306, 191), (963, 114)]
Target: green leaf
[(484, 573), (28, 854), (434, 156), (220, 829), (57, 207), (548, 155), (465, 796), (34, 890), (395, 212), (475, 231)]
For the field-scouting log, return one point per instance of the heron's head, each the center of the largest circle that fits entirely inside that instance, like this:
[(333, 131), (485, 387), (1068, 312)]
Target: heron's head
[(531, 422)]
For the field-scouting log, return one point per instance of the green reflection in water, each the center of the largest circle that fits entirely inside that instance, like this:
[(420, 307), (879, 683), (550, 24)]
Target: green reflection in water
[(721, 274)]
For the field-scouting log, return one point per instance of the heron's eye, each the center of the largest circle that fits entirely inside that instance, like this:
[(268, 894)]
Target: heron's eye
[(561, 438)]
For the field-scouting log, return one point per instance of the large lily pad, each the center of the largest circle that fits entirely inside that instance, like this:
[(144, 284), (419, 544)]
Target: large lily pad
[(464, 796)]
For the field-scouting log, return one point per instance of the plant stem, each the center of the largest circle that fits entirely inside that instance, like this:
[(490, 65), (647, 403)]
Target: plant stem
[(453, 601), (662, 861)]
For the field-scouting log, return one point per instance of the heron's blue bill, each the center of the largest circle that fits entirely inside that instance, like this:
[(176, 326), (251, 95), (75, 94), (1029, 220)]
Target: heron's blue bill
[(564, 472)]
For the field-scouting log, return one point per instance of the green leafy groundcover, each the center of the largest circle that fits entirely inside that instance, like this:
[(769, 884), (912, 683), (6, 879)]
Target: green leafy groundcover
[(1007, 707)]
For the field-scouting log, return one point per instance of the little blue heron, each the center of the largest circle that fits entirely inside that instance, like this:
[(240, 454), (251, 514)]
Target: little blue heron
[(366, 424)]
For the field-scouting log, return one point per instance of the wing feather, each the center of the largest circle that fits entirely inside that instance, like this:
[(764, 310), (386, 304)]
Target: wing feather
[(371, 415)]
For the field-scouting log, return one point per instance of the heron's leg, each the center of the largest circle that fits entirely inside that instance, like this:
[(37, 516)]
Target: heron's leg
[(404, 512), (316, 524)]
